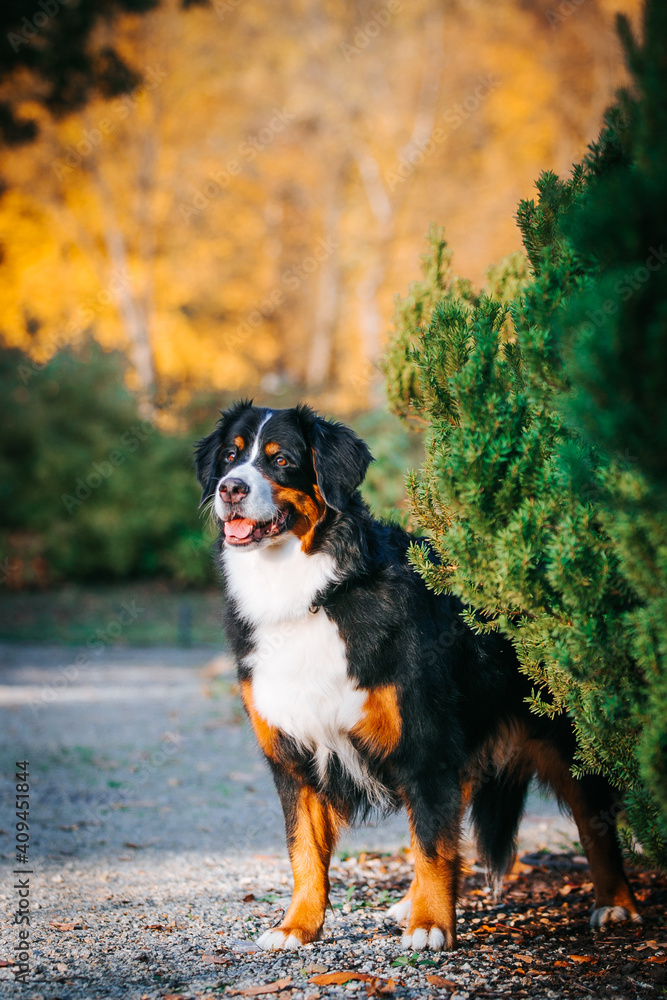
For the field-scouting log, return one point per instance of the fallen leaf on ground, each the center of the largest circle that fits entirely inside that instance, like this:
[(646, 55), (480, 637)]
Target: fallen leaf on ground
[(214, 960), (380, 987), (64, 925), (658, 959), (518, 868), (257, 991), (496, 929), (582, 958), (340, 978), (441, 981), (524, 958), (4, 963), (313, 967), (249, 898)]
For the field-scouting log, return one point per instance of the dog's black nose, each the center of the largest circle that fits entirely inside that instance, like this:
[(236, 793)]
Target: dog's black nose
[(233, 490)]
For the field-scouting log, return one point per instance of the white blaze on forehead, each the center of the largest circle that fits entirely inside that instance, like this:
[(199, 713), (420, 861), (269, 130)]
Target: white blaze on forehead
[(255, 445), (258, 505)]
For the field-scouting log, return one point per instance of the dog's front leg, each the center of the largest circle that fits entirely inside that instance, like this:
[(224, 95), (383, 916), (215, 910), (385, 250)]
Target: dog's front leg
[(312, 829), (430, 905)]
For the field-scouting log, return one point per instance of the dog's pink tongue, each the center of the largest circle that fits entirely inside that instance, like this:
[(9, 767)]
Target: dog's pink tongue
[(240, 527)]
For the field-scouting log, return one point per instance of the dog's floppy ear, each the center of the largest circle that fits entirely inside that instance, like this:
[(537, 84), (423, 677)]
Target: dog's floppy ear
[(340, 459), (206, 463), (207, 451)]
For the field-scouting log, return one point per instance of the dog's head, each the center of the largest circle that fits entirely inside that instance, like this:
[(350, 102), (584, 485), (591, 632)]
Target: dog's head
[(269, 472)]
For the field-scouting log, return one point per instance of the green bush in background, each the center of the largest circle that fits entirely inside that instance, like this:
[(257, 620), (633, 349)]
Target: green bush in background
[(89, 489), (545, 485), (395, 449)]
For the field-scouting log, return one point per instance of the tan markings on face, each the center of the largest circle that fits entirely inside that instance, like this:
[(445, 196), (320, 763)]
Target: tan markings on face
[(266, 735), (310, 845), (239, 442), (271, 448), (380, 727), (435, 887), (309, 510)]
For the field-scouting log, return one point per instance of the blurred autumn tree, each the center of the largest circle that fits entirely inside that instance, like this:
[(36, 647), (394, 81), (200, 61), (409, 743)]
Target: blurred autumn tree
[(242, 216), (63, 54)]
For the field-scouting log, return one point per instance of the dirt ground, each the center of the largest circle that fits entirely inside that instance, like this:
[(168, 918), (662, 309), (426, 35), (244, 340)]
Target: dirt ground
[(156, 856)]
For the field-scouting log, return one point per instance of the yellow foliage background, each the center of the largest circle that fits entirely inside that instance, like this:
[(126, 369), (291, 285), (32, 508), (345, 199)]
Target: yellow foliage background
[(337, 133)]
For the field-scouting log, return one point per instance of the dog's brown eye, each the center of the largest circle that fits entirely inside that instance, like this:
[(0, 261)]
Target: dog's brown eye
[(281, 460), (230, 456)]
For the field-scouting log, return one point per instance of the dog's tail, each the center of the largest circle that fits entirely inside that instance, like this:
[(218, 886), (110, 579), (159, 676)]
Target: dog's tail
[(497, 807)]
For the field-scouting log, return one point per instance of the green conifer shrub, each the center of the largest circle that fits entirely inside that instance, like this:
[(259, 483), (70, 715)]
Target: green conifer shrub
[(545, 399)]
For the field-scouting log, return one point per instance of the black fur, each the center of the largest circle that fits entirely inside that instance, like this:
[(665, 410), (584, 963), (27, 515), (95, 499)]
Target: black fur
[(460, 693)]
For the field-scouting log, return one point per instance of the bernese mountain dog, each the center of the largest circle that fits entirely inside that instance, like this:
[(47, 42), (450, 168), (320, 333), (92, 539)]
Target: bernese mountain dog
[(366, 690)]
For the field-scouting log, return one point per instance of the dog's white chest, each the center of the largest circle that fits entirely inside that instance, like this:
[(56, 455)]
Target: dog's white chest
[(273, 584), (300, 682)]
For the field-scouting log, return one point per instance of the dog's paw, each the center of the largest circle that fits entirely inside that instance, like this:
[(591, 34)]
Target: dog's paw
[(400, 911), (277, 940), (424, 937), (613, 915)]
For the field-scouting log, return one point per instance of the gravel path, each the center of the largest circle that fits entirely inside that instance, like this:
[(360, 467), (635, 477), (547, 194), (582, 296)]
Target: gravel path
[(157, 850)]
